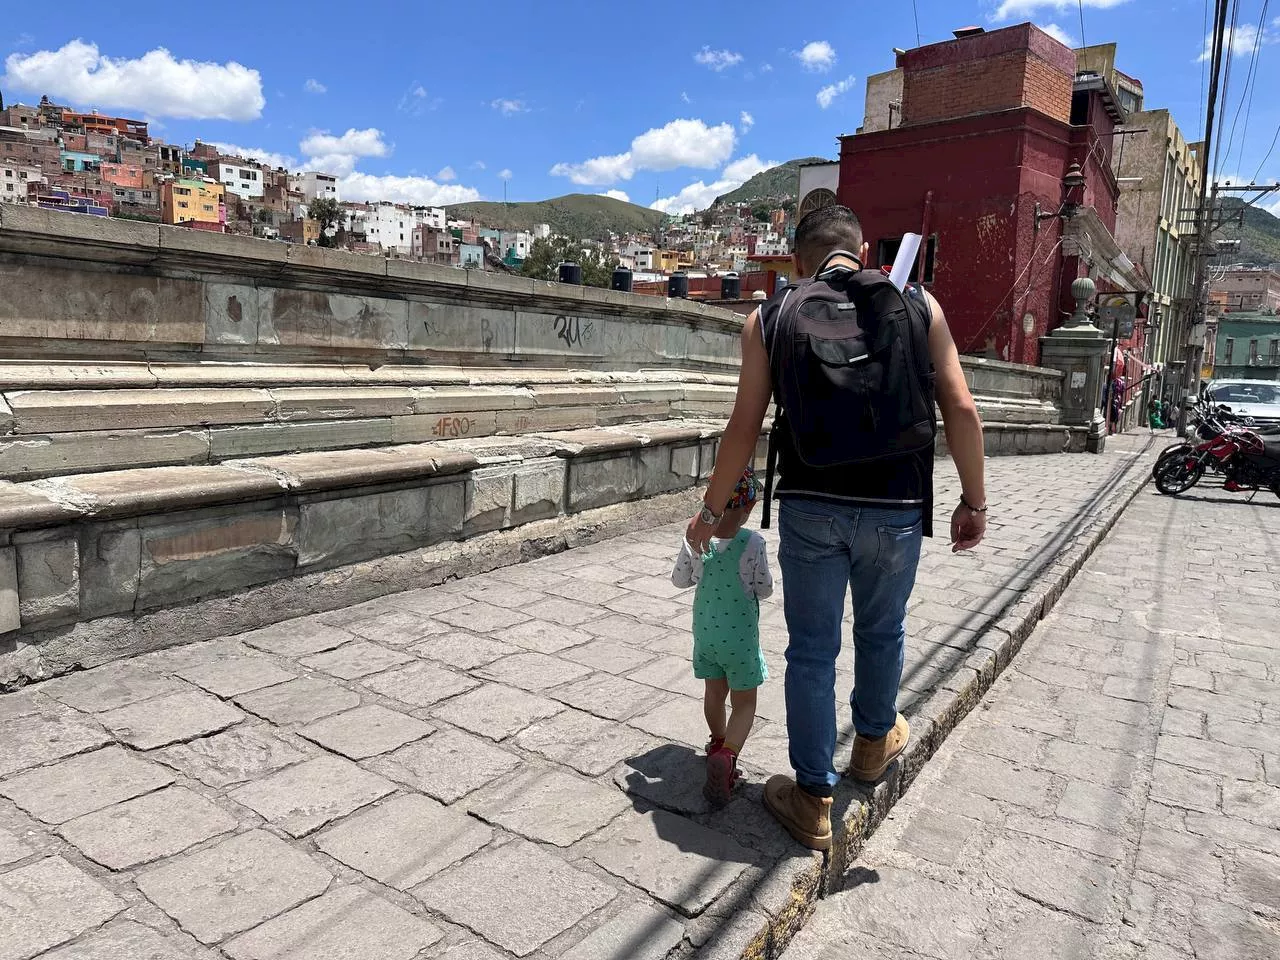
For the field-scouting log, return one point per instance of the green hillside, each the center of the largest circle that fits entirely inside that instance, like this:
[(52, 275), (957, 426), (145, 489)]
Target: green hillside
[(1259, 238), (581, 215), (776, 183)]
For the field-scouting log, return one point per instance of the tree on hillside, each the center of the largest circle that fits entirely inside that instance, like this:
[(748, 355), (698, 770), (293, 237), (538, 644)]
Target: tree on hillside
[(761, 212), (327, 213), (545, 257)]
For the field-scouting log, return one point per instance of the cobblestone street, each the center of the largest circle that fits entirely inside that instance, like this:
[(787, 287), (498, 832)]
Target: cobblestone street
[(508, 765), (1117, 794)]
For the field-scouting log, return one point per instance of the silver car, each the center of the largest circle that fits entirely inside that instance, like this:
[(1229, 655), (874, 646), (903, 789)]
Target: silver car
[(1255, 402)]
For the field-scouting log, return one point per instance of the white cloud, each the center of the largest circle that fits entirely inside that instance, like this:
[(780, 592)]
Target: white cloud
[(617, 195), (414, 101), (680, 143), (685, 97), (154, 84), (268, 157), (1273, 209), (358, 143), (508, 107), (1025, 9), (746, 121), (828, 94), (744, 168), (700, 195), (1241, 41), (314, 86), (363, 186), (338, 154), (597, 169), (683, 143), (24, 40), (766, 68), (446, 174), (1059, 33), (505, 173), (717, 60), (479, 165), (817, 56)]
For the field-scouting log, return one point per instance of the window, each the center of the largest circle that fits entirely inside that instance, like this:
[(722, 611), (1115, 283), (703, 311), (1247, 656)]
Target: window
[(1274, 353), (182, 204), (9, 187), (1253, 351), (1228, 355), (887, 250)]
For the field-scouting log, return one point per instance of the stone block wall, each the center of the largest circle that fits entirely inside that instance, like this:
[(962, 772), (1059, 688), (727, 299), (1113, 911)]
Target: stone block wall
[(101, 551), (88, 288)]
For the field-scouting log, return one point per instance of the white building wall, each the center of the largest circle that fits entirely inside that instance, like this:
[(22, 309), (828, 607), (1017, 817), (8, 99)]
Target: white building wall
[(244, 180), (313, 185)]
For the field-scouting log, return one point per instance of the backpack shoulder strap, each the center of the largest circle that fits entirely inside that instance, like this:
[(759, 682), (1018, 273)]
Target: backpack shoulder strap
[(771, 310)]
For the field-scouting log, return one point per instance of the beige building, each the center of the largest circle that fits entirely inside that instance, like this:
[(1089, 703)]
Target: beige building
[(1159, 174), (1247, 289), (883, 105)]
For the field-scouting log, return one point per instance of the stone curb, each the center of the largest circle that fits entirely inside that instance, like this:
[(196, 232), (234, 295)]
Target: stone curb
[(862, 809)]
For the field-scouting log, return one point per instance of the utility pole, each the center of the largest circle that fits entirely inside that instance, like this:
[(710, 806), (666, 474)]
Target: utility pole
[(1193, 352)]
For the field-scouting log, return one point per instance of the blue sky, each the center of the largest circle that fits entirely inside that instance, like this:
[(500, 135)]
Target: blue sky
[(666, 102)]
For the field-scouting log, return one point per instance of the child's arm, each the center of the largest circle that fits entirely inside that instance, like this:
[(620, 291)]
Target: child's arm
[(761, 586), (688, 568)]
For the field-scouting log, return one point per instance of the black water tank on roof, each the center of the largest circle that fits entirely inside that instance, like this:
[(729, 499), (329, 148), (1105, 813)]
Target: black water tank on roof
[(622, 279), (730, 286), (570, 273), (678, 285)]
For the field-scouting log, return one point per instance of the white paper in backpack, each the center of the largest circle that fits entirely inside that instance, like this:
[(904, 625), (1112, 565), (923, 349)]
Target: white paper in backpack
[(905, 260)]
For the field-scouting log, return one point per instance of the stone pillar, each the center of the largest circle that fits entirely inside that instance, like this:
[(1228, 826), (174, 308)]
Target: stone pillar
[(1079, 350)]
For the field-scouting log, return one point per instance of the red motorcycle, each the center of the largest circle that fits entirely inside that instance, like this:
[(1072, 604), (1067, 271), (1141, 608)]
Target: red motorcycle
[(1247, 461)]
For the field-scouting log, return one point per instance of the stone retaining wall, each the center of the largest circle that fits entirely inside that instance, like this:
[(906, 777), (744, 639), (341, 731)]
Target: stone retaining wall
[(88, 287), (110, 547)]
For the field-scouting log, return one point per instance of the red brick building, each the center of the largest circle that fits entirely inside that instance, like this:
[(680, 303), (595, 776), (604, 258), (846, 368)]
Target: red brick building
[(988, 126)]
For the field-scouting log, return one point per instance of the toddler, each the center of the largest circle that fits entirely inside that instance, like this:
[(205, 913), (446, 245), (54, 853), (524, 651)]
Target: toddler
[(732, 579)]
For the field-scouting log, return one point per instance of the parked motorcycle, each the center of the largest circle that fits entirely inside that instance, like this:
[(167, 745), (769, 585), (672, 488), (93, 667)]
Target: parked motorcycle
[(1246, 460)]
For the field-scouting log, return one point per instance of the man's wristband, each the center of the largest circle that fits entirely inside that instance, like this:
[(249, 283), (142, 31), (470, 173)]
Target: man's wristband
[(970, 507)]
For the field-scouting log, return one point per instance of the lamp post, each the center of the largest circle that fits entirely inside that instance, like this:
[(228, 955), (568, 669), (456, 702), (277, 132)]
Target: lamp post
[(1073, 184)]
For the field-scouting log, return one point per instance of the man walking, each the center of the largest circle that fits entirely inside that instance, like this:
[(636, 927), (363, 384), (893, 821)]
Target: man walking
[(848, 358)]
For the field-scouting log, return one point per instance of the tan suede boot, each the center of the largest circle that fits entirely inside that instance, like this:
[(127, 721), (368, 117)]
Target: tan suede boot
[(871, 758), (806, 817)]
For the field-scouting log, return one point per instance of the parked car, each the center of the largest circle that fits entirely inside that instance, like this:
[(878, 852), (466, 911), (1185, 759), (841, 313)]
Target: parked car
[(1253, 402)]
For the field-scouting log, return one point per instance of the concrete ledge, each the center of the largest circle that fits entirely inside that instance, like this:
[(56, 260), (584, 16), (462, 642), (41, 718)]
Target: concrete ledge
[(800, 883), (92, 288), (51, 652), (121, 543)]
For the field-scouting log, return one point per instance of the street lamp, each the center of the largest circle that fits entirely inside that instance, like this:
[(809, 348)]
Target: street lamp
[(1072, 196)]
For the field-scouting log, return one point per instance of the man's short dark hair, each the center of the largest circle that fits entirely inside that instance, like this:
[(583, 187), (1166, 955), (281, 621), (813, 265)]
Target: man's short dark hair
[(824, 230)]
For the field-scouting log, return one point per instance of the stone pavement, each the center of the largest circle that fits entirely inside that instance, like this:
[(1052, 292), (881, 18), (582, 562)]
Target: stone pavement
[(502, 766), (1117, 795)]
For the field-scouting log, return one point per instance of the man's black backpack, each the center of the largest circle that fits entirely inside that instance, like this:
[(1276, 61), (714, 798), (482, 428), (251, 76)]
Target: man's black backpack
[(849, 360)]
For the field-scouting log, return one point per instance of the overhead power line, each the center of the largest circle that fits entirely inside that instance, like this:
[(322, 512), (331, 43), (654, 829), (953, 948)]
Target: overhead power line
[(1274, 140), (1080, 6), (1227, 36), (1250, 84)]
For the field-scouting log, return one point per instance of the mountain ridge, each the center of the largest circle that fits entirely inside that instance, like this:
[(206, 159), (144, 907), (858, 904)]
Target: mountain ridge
[(777, 183), (585, 216)]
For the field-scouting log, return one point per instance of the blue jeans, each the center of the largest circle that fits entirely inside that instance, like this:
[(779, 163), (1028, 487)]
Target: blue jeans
[(824, 548)]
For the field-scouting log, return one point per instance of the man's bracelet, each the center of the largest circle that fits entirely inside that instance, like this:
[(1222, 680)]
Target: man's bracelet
[(969, 506)]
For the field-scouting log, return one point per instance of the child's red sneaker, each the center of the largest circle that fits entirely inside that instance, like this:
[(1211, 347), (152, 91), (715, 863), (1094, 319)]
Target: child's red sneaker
[(722, 776)]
